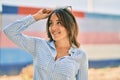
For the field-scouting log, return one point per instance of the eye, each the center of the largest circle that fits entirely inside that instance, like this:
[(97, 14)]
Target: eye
[(59, 22)]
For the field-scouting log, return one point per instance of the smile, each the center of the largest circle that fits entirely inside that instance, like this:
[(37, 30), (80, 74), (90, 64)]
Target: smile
[(55, 33)]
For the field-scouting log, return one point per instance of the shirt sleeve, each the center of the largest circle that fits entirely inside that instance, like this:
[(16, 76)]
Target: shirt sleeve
[(83, 69), (13, 32)]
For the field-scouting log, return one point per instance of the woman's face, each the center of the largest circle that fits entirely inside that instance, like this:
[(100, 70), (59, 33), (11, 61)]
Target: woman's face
[(57, 30)]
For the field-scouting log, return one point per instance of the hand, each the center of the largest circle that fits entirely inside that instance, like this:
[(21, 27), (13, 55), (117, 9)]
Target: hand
[(42, 14)]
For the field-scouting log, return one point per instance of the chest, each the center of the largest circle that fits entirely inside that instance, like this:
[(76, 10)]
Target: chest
[(63, 66), (61, 52)]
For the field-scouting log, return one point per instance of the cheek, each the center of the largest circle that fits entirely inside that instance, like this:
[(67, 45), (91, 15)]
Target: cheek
[(65, 31)]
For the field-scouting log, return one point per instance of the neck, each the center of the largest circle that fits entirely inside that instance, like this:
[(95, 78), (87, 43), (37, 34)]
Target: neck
[(62, 44)]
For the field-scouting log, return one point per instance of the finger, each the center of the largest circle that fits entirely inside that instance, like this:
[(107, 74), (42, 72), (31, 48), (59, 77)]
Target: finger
[(46, 11), (49, 11)]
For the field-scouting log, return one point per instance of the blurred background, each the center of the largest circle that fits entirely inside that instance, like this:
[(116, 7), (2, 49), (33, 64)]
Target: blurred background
[(99, 35)]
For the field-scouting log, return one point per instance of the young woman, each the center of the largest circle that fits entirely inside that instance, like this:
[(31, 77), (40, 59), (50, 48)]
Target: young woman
[(60, 57)]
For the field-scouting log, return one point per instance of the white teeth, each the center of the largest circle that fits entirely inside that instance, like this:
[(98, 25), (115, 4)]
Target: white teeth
[(54, 33)]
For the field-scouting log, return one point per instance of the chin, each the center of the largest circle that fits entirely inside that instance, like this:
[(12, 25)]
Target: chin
[(56, 39)]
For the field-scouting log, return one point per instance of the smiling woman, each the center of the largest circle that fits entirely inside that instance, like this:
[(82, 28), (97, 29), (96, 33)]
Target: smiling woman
[(60, 57)]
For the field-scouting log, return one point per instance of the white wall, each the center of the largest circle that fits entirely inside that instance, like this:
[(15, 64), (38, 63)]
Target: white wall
[(100, 6)]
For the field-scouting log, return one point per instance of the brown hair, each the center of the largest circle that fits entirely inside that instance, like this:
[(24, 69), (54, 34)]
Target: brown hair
[(68, 21)]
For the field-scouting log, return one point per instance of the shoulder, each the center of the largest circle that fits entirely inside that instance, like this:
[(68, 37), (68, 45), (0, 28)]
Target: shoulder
[(82, 52), (79, 54), (84, 56), (39, 40), (44, 42)]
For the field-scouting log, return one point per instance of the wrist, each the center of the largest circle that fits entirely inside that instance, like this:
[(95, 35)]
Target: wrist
[(36, 17)]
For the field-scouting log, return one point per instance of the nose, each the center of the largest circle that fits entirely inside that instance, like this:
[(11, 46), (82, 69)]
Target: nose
[(53, 27)]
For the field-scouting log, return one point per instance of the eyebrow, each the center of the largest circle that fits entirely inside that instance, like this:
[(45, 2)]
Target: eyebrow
[(56, 20)]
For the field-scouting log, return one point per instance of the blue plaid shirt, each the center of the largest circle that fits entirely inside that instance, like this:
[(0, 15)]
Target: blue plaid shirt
[(73, 67)]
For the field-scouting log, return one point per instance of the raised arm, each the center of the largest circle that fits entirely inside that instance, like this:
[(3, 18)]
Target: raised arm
[(13, 30)]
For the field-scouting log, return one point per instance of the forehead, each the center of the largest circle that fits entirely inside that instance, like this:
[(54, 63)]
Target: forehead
[(54, 17)]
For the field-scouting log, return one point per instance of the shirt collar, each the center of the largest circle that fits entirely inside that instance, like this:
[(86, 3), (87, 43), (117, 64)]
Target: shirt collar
[(71, 51), (52, 44)]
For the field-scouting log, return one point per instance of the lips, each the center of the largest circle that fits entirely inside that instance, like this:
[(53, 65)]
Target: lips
[(55, 33)]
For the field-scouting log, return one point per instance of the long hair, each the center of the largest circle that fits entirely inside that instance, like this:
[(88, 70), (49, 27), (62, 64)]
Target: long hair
[(68, 21)]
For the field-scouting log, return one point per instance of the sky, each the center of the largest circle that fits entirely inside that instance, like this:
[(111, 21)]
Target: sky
[(99, 6)]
